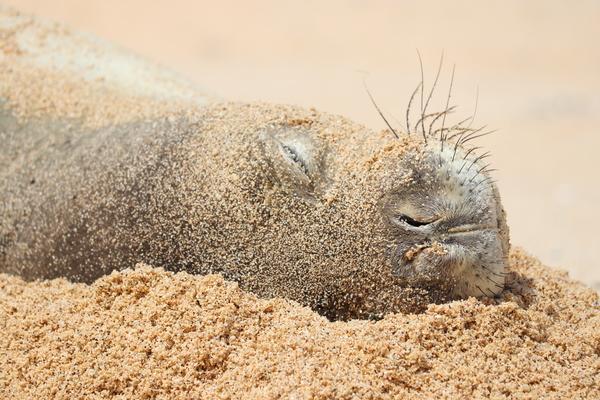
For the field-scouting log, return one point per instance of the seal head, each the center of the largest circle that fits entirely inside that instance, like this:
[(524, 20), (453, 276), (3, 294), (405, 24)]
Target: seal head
[(447, 223), (414, 213)]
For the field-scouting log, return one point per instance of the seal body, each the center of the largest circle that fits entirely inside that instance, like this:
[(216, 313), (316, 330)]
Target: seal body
[(96, 176)]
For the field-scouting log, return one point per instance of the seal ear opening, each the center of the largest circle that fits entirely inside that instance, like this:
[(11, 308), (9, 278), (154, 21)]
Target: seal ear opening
[(297, 155)]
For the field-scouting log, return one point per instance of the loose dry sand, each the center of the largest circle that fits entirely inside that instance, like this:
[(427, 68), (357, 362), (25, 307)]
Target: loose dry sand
[(146, 333)]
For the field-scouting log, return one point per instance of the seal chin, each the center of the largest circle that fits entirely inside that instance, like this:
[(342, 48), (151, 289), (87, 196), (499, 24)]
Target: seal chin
[(427, 265), (480, 274)]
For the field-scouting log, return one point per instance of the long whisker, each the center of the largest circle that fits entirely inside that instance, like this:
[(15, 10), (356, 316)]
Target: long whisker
[(472, 149), (412, 97), (379, 111), (471, 133), (476, 103), (478, 136), (461, 132), (481, 157), (437, 76), (422, 90), (459, 128), (438, 116), (397, 121), (494, 282), (481, 290), (426, 116), (482, 169), (495, 273), (486, 179), (460, 140), (447, 103), (472, 117)]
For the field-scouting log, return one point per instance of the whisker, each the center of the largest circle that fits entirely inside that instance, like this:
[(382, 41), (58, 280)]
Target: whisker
[(462, 122), (458, 129), (412, 97), (437, 76), (438, 116), (482, 292), (494, 282), (464, 133), (479, 171), (472, 149), (460, 141), (424, 117), (447, 103), (487, 178), (379, 111), (489, 170), (422, 90), (478, 136), (503, 274), (468, 132), (476, 103), (481, 157), (397, 121)]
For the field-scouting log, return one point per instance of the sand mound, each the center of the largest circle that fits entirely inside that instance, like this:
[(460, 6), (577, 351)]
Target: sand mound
[(147, 333)]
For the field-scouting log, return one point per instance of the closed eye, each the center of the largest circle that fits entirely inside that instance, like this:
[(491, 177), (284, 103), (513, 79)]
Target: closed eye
[(412, 222)]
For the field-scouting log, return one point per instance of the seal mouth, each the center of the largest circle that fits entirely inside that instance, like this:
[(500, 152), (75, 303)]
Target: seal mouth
[(470, 228)]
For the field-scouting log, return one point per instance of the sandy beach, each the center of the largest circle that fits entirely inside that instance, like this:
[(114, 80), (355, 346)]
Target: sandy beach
[(146, 333)]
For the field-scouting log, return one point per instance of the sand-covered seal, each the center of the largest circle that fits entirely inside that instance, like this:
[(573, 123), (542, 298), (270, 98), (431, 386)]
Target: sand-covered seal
[(106, 161)]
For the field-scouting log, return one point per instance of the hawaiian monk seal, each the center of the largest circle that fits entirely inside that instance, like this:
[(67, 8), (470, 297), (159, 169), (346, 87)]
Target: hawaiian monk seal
[(99, 171)]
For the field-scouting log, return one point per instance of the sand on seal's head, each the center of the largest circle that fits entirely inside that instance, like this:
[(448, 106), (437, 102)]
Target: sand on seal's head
[(152, 334)]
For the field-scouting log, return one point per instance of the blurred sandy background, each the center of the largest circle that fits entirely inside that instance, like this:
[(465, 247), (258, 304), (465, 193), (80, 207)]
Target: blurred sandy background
[(537, 65)]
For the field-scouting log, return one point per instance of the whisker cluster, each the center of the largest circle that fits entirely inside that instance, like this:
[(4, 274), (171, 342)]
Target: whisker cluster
[(432, 125)]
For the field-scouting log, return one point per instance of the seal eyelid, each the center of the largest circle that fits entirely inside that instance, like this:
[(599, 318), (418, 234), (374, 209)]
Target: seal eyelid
[(412, 222)]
